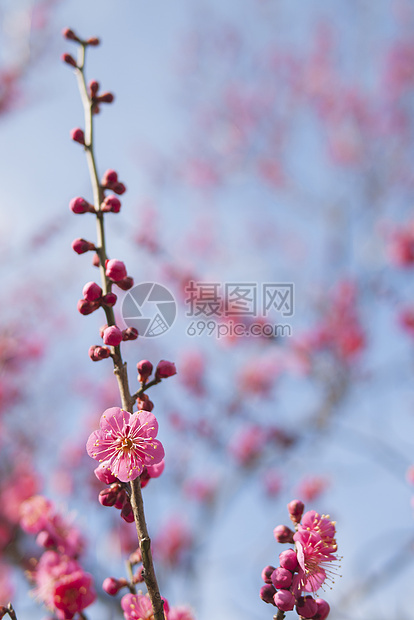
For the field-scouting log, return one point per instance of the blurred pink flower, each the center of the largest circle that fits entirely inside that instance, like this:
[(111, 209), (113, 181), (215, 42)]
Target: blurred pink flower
[(126, 442), (137, 607), (247, 444), (173, 540)]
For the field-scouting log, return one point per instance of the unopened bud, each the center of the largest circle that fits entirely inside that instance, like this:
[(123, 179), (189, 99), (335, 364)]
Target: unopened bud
[(78, 135), (109, 299), (130, 333), (144, 403), (284, 600), (87, 307), (93, 87), (267, 593), (119, 188), (111, 203), (108, 497), (69, 60), (306, 606), (109, 178), (281, 578), (112, 586), (288, 559), (80, 205), (106, 98), (296, 508), (80, 246), (98, 353), (126, 283), (267, 573), (283, 534), (96, 261), (112, 336), (69, 34), (145, 369), (93, 41), (323, 609), (165, 369), (127, 513), (92, 291), (115, 270)]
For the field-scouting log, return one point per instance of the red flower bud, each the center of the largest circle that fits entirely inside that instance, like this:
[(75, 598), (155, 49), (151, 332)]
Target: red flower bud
[(283, 534), (119, 188), (115, 270), (112, 586), (92, 291), (145, 369), (109, 299), (296, 508), (81, 246), (108, 497), (80, 205), (111, 203), (78, 136), (165, 369), (98, 353), (109, 178), (69, 60), (68, 34), (93, 41), (127, 512), (112, 335), (126, 283), (144, 403), (267, 593), (87, 307), (106, 98), (93, 87), (130, 333)]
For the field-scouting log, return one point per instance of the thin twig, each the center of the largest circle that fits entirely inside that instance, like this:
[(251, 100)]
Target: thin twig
[(120, 369)]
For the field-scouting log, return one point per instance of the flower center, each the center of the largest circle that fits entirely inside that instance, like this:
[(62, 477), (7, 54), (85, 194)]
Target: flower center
[(127, 444)]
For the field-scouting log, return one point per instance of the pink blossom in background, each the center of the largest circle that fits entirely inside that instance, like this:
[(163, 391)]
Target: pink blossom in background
[(192, 371), (311, 487), (180, 613), (201, 489), (126, 442), (137, 607), (272, 482), (62, 585), (173, 541), (247, 444), (34, 514)]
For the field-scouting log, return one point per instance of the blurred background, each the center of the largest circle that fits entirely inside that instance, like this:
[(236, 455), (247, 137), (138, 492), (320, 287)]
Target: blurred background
[(269, 141)]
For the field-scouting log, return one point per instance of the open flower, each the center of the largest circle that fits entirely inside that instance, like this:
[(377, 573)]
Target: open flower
[(315, 556), (126, 442)]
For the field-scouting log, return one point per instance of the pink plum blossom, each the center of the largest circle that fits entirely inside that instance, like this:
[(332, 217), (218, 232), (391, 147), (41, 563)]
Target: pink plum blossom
[(137, 607), (125, 443), (314, 557), (180, 613)]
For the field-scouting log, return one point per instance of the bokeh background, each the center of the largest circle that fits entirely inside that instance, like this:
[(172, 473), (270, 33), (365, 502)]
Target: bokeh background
[(263, 141)]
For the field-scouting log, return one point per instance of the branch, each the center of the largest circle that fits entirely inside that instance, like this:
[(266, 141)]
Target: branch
[(120, 369)]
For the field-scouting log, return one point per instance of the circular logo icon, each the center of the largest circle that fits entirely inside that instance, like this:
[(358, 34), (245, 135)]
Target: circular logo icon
[(150, 308)]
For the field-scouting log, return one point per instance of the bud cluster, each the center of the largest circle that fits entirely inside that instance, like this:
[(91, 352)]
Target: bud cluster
[(302, 568)]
